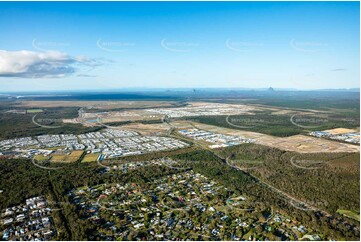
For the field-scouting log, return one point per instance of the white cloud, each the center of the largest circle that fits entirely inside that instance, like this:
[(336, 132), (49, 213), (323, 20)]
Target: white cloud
[(52, 64)]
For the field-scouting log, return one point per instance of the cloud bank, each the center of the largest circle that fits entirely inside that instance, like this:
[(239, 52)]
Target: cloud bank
[(50, 64)]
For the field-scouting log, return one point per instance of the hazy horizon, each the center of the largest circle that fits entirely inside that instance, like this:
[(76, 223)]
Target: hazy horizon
[(174, 89)]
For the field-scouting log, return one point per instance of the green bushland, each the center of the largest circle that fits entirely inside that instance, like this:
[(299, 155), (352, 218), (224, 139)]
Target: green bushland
[(278, 125), (327, 180)]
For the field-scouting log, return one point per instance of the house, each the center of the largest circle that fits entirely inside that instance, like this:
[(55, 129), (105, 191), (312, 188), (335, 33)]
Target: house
[(8, 221)]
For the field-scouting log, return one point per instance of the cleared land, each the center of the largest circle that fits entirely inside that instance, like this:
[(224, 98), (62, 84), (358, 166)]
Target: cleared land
[(298, 143), (340, 131), (123, 116), (147, 129)]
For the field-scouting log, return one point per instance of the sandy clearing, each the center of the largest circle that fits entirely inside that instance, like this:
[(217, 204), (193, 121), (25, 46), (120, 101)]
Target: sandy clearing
[(340, 131)]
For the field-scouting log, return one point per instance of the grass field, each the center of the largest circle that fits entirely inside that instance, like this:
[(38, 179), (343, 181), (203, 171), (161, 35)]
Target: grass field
[(58, 158), (41, 158), (90, 157), (75, 155), (72, 157), (349, 214), (34, 111)]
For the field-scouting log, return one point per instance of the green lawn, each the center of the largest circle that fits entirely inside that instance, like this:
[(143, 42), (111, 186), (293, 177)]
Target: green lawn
[(90, 157), (41, 158), (34, 111), (349, 214)]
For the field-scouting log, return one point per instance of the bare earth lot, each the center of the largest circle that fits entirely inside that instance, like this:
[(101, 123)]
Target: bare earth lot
[(123, 116), (340, 131), (147, 129), (298, 143)]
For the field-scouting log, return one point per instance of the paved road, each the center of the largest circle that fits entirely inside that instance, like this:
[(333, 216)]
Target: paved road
[(44, 167)]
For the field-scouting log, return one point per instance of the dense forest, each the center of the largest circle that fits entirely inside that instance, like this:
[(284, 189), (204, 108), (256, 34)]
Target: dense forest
[(326, 180)]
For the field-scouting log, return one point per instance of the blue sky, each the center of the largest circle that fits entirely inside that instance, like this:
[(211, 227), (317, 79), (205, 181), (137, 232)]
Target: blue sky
[(74, 46)]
